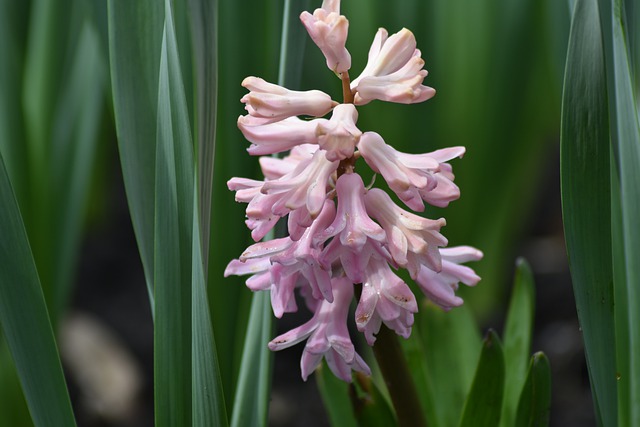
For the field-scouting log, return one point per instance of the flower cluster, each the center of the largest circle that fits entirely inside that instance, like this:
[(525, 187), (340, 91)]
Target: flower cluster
[(341, 232)]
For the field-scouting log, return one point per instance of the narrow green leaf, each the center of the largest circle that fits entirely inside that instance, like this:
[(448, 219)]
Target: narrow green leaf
[(586, 201), (484, 402), (207, 396), (250, 406), (13, 406), (535, 400), (25, 321), (369, 405), (517, 339), (135, 40), (204, 38), (13, 24), (74, 141), (445, 361), (626, 145), (173, 241), (335, 397)]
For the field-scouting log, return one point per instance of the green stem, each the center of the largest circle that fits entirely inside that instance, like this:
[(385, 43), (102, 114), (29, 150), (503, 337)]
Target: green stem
[(397, 377)]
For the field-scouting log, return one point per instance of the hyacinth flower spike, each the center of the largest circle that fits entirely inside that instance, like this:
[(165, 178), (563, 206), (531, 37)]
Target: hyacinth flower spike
[(346, 239)]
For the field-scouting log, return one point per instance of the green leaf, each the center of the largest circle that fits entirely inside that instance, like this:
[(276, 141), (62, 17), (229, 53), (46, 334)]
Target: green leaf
[(13, 25), (336, 398), (535, 400), (517, 339), (74, 142), (444, 361), (484, 402), (250, 406), (369, 405), (625, 133), (135, 40), (586, 201), (204, 37), (174, 226), (208, 407), (25, 321)]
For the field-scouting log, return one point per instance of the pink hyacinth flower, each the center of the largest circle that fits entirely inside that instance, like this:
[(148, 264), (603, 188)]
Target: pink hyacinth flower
[(413, 241), (274, 167), (271, 138), (339, 135), (413, 177), (394, 71), (273, 103), (327, 336), (303, 256), (441, 287), (385, 299), (352, 225), (303, 187), (328, 30)]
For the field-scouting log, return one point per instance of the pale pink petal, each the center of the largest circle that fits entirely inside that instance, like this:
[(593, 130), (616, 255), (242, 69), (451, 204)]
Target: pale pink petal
[(339, 136), (280, 136), (274, 103), (328, 30)]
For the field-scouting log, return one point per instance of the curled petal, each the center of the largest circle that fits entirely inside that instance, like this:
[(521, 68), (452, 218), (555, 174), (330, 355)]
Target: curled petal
[(413, 177), (440, 287), (328, 30), (412, 240), (385, 299), (394, 71), (339, 136), (271, 138), (273, 103), (352, 223)]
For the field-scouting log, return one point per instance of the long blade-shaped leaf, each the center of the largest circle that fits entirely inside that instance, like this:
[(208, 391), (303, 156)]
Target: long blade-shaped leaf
[(208, 408), (252, 394), (586, 200), (25, 321), (517, 340), (535, 400), (135, 39), (204, 36), (335, 397), (173, 241), (626, 143), (484, 402), (444, 361)]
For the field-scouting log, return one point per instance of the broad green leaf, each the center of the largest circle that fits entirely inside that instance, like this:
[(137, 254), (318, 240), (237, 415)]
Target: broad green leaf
[(517, 339), (335, 397), (173, 241), (25, 321), (535, 400), (250, 406), (626, 145), (586, 201), (444, 363), (135, 40), (484, 402), (369, 405)]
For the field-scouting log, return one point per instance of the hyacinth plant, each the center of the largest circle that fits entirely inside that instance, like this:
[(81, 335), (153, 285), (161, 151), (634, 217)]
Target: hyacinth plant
[(65, 63), (345, 238)]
